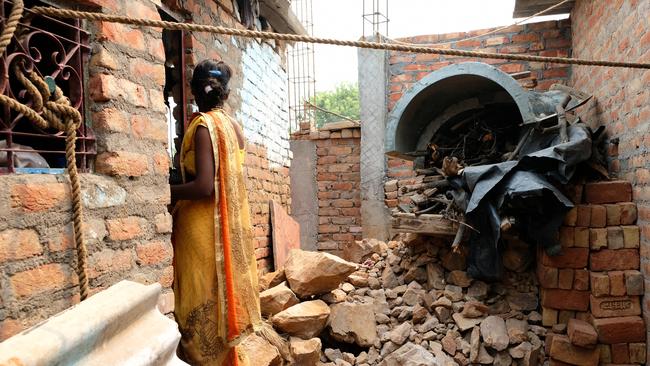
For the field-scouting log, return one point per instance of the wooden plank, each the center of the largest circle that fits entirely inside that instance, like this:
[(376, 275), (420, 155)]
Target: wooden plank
[(281, 17), (423, 224), (285, 233)]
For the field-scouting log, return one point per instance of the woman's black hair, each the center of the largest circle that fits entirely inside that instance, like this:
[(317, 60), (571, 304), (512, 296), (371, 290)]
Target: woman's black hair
[(210, 84)]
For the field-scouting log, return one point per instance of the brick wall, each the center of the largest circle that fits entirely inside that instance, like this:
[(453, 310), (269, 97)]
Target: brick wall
[(597, 277), (338, 178), (125, 199), (619, 30)]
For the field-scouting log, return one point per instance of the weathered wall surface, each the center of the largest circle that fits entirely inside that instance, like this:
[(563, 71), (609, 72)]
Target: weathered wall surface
[(125, 199), (337, 181), (619, 31)]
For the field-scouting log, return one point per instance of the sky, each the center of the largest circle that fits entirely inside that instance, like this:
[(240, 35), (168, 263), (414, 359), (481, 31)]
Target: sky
[(343, 19)]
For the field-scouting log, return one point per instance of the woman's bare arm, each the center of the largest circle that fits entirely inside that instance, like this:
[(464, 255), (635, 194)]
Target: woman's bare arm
[(203, 184)]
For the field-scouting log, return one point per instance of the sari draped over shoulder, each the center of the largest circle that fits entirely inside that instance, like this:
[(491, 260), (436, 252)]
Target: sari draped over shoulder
[(215, 272)]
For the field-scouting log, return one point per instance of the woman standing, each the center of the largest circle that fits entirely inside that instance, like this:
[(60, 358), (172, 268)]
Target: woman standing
[(215, 273)]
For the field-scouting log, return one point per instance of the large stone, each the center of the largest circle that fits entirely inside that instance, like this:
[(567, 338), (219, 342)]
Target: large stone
[(353, 323), (305, 352), (582, 333), (261, 351), (495, 335), (358, 251), (304, 320), (474, 309), (464, 323), (315, 273), (389, 278), (459, 278), (454, 261), (517, 330), (276, 299), (272, 279), (400, 334), (435, 276), (409, 355)]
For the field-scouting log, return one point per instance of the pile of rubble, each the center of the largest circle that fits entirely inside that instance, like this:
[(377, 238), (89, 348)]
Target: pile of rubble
[(408, 302)]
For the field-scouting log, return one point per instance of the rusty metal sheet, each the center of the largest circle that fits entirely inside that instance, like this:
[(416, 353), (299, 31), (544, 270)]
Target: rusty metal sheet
[(285, 233)]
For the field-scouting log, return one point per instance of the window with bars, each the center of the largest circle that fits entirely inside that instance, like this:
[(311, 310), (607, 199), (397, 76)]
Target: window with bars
[(55, 49)]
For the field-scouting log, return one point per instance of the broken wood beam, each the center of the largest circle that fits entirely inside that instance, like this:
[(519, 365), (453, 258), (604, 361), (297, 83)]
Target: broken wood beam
[(423, 224)]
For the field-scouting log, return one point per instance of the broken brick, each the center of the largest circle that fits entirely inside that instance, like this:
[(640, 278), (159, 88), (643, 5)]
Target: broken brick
[(547, 276), (581, 279), (597, 238), (563, 350), (582, 333), (628, 213), (571, 217)]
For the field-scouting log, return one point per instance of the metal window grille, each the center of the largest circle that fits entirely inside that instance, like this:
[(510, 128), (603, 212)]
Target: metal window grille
[(300, 56), (50, 47)]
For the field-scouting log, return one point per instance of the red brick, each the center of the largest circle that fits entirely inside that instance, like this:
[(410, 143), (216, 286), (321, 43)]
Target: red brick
[(144, 127), (153, 252), (101, 87), (565, 279), (110, 120), (34, 197), (48, 277), (499, 40), (599, 284), (584, 215), (613, 214), (634, 283), (563, 350), (571, 217), (167, 277), (547, 276), (598, 238), (570, 258), (631, 236), (103, 58), (161, 163), (9, 328), (609, 260), (620, 353), (615, 238), (565, 299), (637, 353), (19, 244), (530, 37), (581, 279), (627, 329), (125, 228), (567, 236), (121, 34), (605, 353), (582, 334), (581, 238), (598, 216), (122, 163), (163, 223), (109, 261), (565, 315), (609, 307), (628, 213), (616, 283), (608, 192)]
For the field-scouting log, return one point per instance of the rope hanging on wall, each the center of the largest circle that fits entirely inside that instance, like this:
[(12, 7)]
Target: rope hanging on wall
[(51, 110)]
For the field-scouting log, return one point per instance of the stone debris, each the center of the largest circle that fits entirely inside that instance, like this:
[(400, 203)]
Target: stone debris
[(408, 302), (276, 299), (315, 273)]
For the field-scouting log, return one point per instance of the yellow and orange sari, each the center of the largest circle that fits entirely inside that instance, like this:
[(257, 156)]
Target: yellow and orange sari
[(215, 273)]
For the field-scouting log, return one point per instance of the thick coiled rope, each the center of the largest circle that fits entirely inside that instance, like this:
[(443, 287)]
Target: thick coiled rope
[(51, 111)]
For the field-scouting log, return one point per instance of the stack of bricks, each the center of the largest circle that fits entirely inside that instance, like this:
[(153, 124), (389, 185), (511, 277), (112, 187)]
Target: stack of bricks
[(596, 278), (401, 175), (338, 179)]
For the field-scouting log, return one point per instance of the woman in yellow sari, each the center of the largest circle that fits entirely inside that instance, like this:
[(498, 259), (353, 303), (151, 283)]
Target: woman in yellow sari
[(215, 274)]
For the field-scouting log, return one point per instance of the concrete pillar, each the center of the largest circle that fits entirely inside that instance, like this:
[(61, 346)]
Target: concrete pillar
[(304, 192), (373, 71)]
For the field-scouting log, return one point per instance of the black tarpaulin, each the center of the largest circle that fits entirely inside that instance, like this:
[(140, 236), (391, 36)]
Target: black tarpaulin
[(524, 189)]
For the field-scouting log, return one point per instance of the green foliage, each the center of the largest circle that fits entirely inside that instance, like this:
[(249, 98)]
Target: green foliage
[(344, 101)]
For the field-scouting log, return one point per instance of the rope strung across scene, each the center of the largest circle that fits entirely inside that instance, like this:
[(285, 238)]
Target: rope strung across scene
[(51, 111), (74, 14)]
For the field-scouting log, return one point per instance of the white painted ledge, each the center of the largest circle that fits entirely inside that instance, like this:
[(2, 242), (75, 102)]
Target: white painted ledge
[(118, 326)]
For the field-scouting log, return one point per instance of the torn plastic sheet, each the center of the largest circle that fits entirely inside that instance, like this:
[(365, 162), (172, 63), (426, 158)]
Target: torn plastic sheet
[(523, 189)]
